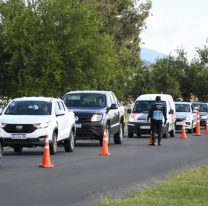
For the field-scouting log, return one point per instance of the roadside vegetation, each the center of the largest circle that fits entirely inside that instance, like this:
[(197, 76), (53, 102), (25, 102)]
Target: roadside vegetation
[(188, 188), (50, 47)]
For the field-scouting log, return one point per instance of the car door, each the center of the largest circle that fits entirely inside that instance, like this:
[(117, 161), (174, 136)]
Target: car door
[(194, 116), (60, 122), (115, 124)]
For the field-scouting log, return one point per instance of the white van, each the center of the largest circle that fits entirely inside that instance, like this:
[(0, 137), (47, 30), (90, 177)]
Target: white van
[(137, 122)]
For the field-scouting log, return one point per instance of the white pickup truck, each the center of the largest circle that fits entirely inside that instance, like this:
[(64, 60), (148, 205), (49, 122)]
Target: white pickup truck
[(185, 112), (26, 121)]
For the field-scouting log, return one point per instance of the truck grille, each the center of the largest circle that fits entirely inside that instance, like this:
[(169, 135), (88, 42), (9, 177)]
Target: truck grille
[(19, 128), (84, 118)]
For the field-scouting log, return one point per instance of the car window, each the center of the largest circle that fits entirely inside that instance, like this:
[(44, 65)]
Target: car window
[(85, 100), (182, 107), (61, 106), (29, 108), (112, 99), (201, 107), (57, 107), (143, 106)]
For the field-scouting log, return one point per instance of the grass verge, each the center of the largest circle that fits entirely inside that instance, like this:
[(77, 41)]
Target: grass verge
[(188, 188)]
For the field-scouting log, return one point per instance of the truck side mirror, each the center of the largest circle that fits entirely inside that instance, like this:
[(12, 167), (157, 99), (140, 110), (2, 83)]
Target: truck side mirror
[(129, 111), (113, 106), (171, 111)]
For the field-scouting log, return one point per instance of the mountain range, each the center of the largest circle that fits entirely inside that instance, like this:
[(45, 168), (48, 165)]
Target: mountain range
[(148, 56)]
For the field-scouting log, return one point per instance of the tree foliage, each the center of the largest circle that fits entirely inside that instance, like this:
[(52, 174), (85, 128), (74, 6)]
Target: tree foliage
[(49, 47)]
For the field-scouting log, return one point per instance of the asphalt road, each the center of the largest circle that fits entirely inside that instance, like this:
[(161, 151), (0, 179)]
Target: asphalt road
[(83, 177)]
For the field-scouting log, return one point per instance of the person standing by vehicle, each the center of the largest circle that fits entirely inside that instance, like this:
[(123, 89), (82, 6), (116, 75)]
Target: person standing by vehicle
[(156, 113)]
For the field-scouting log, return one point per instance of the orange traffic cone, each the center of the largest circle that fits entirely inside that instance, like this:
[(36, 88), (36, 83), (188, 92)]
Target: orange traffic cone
[(198, 124), (183, 134), (46, 155), (206, 130), (105, 145), (151, 139)]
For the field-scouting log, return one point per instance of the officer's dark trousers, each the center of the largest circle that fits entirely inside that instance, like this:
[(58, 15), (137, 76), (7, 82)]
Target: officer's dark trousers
[(156, 129)]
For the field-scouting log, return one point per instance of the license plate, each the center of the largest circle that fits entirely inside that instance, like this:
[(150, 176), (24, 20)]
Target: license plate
[(19, 136), (144, 127), (78, 125), (178, 123)]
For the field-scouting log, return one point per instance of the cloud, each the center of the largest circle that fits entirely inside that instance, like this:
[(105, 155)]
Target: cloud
[(175, 24)]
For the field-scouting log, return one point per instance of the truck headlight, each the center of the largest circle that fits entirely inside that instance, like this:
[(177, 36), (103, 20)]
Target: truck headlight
[(42, 125), (2, 125), (96, 117), (204, 117), (131, 119)]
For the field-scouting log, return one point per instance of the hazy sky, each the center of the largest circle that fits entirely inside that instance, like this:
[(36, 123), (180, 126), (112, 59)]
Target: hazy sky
[(177, 23)]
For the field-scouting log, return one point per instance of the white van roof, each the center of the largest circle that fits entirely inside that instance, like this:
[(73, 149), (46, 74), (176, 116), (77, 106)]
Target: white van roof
[(153, 96)]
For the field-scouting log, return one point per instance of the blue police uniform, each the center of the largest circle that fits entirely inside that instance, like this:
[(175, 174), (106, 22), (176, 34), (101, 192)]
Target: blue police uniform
[(156, 113)]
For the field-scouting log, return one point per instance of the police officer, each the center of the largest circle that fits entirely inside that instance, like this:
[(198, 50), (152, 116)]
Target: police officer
[(156, 113)]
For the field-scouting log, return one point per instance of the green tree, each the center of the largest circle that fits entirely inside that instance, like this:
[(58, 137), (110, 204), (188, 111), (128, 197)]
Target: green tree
[(50, 47)]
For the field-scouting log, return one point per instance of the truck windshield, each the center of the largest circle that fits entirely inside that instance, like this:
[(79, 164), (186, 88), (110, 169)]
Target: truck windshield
[(182, 107), (29, 108), (143, 106), (85, 100), (201, 107)]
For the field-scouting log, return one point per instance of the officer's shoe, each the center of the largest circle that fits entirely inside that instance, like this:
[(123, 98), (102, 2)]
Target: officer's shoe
[(159, 144), (153, 144)]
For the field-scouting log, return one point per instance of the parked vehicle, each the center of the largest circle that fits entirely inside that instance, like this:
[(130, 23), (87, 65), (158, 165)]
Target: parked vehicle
[(1, 147), (203, 111), (94, 112), (26, 121), (185, 112), (137, 122)]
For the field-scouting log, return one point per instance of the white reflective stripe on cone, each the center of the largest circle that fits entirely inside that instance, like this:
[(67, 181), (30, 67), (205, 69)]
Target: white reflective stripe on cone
[(46, 140), (105, 138), (46, 147), (198, 120)]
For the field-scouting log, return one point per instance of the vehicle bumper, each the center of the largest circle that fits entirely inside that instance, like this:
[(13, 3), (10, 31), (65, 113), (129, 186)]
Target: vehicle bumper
[(203, 122), (36, 138), (187, 125), (139, 128), (92, 130)]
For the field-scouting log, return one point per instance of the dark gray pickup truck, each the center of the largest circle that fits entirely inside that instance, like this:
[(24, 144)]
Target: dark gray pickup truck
[(94, 112)]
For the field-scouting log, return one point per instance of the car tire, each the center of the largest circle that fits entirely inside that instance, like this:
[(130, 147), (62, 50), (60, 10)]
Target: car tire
[(165, 135), (69, 143), (108, 135), (172, 132), (130, 135), (118, 137), (191, 130), (17, 148), (53, 146), (1, 152)]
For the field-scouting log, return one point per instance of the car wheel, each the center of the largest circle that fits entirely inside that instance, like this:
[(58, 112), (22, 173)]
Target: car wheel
[(53, 146), (165, 135), (130, 135), (172, 132), (108, 136), (1, 152), (69, 143), (17, 148), (138, 135), (118, 137), (191, 130)]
